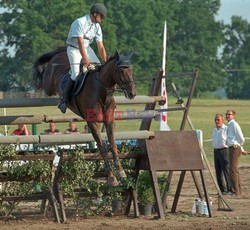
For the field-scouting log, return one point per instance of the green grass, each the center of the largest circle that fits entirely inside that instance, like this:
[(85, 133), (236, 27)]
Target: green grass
[(202, 112)]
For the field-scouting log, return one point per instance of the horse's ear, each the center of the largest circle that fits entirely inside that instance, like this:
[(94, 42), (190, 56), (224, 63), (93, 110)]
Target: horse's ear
[(129, 55), (123, 61), (117, 55)]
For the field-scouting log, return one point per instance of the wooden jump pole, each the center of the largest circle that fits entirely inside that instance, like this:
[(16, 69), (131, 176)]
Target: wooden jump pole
[(72, 139), (38, 102)]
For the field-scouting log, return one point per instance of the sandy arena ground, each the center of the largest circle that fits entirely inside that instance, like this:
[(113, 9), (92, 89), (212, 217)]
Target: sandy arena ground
[(238, 219)]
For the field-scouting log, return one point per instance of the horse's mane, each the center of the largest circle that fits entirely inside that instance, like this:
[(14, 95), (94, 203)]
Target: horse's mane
[(110, 58), (121, 59)]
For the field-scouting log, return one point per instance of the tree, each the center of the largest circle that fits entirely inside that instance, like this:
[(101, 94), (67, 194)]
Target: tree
[(193, 37), (32, 27), (195, 41), (236, 57), (29, 28)]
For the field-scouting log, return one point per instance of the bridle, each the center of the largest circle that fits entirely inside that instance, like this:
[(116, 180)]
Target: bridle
[(110, 91), (123, 82)]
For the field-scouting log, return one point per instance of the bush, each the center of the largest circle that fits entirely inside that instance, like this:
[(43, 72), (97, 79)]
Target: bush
[(145, 187)]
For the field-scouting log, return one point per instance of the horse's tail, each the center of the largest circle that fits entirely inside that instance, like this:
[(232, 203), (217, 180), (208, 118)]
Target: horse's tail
[(41, 63)]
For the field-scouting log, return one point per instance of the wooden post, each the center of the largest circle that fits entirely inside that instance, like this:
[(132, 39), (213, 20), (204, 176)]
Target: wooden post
[(188, 104), (146, 122)]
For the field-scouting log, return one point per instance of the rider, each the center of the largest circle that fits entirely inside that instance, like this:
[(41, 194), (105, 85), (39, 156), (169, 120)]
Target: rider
[(81, 34)]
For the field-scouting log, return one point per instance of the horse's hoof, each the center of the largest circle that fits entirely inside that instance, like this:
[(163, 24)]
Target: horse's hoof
[(112, 181), (120, 173)]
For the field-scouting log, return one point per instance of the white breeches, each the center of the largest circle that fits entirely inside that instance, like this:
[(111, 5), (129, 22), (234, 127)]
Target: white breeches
[(75, 58)]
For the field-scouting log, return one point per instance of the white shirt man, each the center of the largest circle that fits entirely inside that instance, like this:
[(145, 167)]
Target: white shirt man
[(87, 30), (221, 156), (234, 134), (235, 140), (220, 137), (81, 34)]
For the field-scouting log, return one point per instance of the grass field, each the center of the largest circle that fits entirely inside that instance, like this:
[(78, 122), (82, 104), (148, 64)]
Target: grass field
[(202, 113)]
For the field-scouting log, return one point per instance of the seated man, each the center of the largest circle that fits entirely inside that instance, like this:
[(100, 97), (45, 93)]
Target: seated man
[(52, 129), (22, 130), (72, 129)]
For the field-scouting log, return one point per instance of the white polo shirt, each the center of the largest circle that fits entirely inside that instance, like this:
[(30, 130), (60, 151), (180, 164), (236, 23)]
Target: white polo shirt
[(220, 137), (84, 27)]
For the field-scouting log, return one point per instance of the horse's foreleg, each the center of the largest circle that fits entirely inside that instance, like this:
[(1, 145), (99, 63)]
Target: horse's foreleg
[(109, 125), (94, 127)]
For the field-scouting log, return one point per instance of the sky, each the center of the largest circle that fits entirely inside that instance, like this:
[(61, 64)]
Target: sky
[(234, 7)]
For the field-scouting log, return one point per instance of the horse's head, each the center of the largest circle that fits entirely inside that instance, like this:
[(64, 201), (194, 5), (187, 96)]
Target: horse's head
[(123, 75)]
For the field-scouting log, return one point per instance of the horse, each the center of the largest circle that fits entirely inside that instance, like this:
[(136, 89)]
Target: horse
[(95, 101)]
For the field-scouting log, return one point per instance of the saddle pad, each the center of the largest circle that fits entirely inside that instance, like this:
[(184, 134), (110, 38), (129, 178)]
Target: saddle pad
[(78, 84)]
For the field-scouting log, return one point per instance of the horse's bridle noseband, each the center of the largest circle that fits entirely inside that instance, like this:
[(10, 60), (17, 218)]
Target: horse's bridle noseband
[(123, 83)]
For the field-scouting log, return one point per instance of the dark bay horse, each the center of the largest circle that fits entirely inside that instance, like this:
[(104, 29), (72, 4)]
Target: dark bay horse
[(96, 96)]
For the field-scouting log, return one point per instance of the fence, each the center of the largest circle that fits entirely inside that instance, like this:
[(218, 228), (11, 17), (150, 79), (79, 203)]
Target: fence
[(53, 194)]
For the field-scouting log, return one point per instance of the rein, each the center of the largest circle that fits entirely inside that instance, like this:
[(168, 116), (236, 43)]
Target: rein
[(115, 89), (106, 88), (109, 95), (110, 91)]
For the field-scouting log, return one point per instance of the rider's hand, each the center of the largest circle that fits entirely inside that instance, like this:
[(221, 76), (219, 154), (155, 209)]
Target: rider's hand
[(86, 62), (91, 67), (84, 69)]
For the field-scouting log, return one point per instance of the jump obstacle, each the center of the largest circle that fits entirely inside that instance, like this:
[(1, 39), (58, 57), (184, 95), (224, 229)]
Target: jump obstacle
[(54, 195)]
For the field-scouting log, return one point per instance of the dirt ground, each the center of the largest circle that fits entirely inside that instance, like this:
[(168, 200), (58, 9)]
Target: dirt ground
[(237, 219)]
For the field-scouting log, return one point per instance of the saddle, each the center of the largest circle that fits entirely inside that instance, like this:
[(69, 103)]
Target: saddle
[(79, 81)]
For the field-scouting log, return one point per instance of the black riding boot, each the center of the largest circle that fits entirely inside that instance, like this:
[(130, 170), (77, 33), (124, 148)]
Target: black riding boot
[(66, 93)]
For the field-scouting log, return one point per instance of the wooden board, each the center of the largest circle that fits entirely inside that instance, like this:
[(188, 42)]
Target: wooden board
[(174, 151)]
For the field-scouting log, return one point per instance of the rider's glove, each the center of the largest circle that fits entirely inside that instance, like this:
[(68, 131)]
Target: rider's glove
[(84, 69), (91, 67)]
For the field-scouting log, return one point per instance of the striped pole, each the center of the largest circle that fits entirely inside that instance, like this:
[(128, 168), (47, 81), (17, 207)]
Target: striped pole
[(164, 122)]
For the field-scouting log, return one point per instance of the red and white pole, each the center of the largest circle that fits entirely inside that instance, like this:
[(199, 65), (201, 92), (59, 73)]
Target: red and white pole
[(164, 121)]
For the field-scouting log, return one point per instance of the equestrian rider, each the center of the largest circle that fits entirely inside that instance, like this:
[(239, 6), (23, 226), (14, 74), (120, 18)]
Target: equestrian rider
[(81, 34)]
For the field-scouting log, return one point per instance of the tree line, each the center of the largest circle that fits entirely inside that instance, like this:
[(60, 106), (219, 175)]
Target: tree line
[(29, 28)]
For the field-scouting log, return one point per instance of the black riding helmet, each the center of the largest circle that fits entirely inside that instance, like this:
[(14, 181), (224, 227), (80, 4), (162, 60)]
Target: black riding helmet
[(99, 8)]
